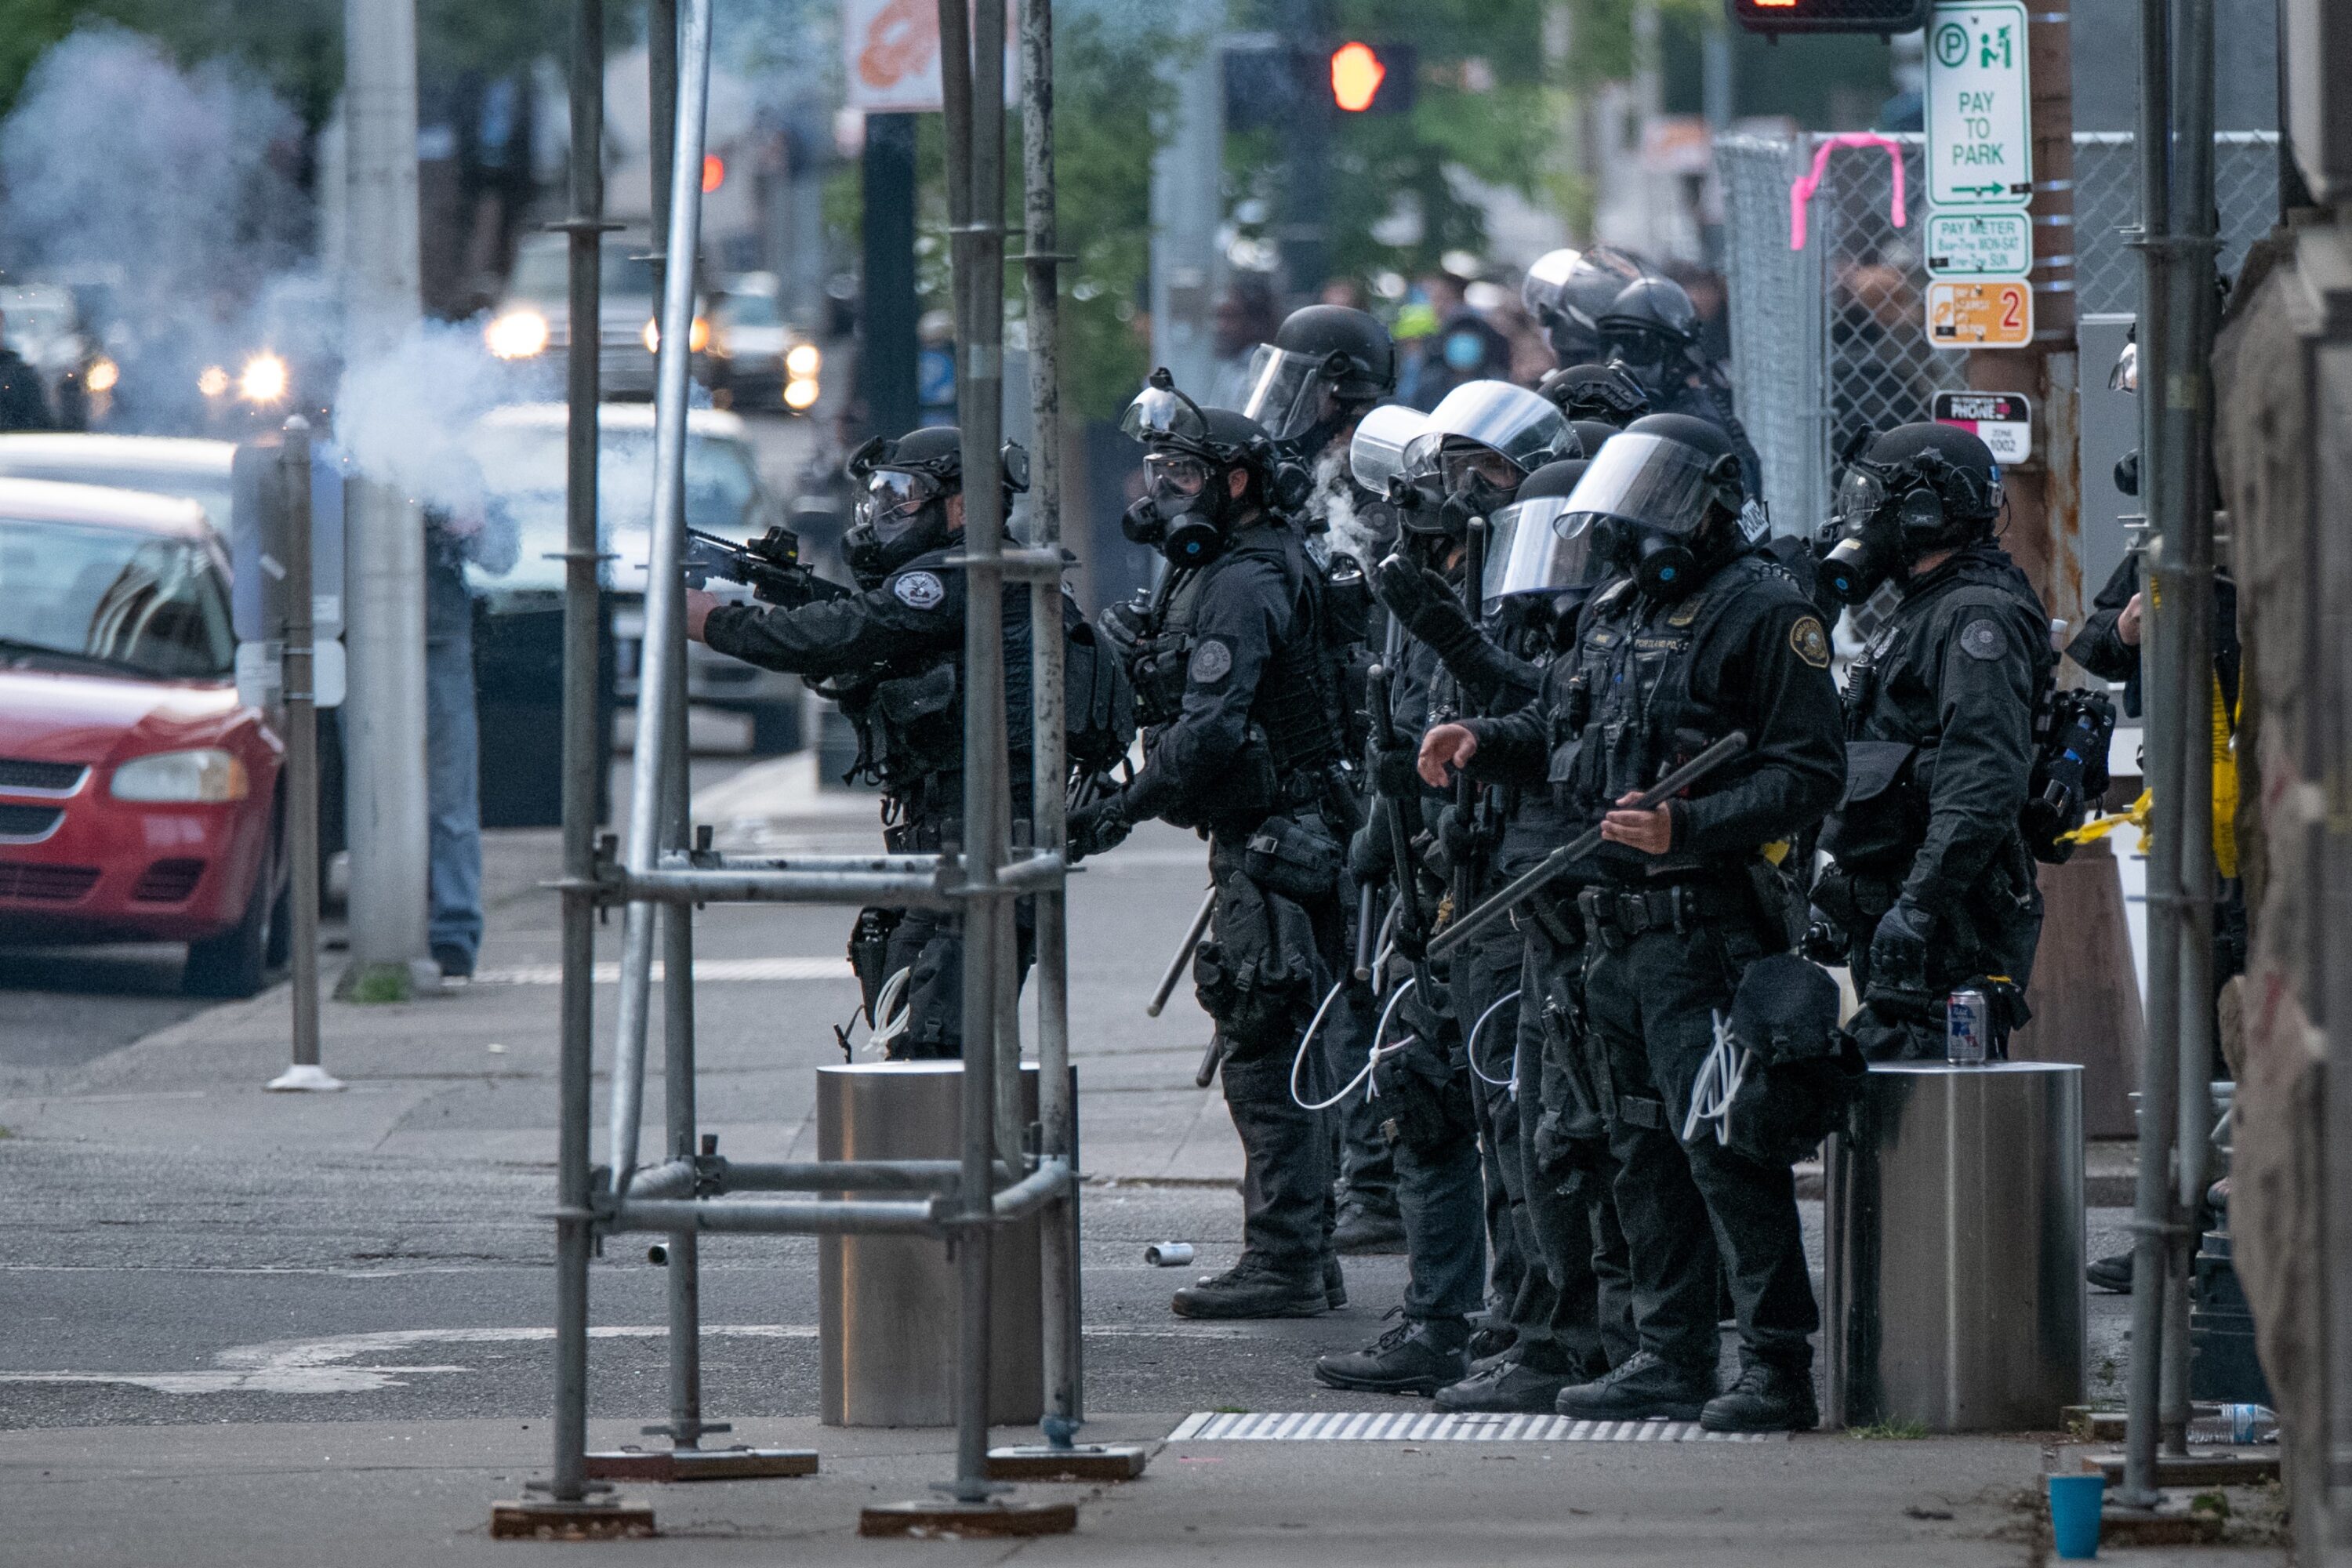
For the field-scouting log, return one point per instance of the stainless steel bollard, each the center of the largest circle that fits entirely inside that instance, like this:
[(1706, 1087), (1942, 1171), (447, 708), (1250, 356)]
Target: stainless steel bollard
[(886, 1318), (1953, 1249)]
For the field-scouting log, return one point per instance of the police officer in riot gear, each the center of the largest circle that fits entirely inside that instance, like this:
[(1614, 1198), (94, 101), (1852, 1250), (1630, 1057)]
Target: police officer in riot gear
[(1932, 885), (1460, 467), (1327, 366), (1234, 686), (1705, 636), (891, 654), (1653, 329), (1568, 290), (1606, 395)]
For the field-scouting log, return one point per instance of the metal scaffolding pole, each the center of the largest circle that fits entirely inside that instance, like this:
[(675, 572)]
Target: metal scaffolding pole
[(1057, 1113), (684, 1192)]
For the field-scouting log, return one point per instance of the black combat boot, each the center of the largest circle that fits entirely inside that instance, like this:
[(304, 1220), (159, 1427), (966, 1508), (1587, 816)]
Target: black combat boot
[(1505, 1386), (1254, 1289), (1644, 1388), (1765, 1399), (1416, 1356)]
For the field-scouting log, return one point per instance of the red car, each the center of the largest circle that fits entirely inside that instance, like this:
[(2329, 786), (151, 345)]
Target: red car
[(138, 799)]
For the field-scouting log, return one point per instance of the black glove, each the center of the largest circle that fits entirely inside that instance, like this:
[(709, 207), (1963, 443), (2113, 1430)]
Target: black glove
[(1393, 776), (1419, 598), (1121, 626), (1899, 949), (1824, 942), (1368, 852), (1098, 827)]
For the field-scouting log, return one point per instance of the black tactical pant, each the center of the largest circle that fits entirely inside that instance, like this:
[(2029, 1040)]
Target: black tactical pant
[(1649, 1003), (929, 943), (1564, 1154), (1365, 1163), (1486, 975), (1428, 1114), (1264, 965)]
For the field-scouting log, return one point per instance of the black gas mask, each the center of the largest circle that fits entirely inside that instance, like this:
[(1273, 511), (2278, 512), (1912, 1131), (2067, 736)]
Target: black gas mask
[(1886, 518), (1663, 566), (901, 513), (1189, 504)]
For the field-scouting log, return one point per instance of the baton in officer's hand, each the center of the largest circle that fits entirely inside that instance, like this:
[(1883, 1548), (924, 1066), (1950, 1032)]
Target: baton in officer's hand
[(1584, 844)]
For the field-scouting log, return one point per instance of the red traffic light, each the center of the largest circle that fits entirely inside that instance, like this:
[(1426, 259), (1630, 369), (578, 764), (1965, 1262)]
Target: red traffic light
[(1882, 16), (714, 171), (1356, 77)]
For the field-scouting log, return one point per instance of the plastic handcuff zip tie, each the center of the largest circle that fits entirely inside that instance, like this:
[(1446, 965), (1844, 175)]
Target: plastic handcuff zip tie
[(1717, 1085)]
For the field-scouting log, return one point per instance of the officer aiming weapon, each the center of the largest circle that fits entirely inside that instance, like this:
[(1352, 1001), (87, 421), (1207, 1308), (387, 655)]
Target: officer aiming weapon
[(769, 565), (1584, 844)]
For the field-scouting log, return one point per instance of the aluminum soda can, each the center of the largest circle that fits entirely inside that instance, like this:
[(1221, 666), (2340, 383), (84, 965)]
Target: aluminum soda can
[(1967, 1028)]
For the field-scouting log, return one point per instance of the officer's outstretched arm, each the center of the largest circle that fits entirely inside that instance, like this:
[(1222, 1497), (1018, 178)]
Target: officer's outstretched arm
[(830, 637), (1985, 757)]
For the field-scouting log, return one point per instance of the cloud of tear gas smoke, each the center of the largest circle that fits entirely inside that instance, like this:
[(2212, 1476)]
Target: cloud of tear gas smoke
[(402, 417)]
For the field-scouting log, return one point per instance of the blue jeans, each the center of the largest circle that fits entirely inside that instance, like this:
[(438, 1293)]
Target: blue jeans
[(453, 764)]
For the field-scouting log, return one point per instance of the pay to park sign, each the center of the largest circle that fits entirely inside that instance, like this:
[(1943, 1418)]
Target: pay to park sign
[(1979, 144)]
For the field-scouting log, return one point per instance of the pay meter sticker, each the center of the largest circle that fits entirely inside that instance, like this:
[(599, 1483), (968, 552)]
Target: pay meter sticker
[(1980, 315)]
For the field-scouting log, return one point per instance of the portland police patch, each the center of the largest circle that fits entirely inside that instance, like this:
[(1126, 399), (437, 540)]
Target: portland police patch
[(1980, 640), (1808, 642), (920, 590), (1211, 661)]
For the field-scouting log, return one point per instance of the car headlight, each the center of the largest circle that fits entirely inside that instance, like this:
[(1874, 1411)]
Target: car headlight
[(263, 379), (518, 334), (103, 374), (209, 775), (799, 396), (213, 381), (697, 335), (804, 362)]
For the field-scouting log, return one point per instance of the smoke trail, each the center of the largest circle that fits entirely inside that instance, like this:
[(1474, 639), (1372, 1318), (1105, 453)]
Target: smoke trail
[(402, 417)]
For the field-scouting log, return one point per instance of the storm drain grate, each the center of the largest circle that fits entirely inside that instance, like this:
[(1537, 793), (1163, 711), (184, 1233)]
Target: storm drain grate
[(1424, 1427)]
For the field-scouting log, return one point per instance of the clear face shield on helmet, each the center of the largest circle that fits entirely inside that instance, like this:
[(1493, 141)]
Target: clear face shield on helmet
[(1524, 429), (1647, 500), (1537, 547), (1290, 394), (1377, 453), (1161, 413)]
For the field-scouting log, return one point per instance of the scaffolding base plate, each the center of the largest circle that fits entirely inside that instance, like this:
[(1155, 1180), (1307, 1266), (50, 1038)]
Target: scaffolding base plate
[(701, 1464), (947, 1517), (1086, 1462), (590, 1519), (2169, 1523)]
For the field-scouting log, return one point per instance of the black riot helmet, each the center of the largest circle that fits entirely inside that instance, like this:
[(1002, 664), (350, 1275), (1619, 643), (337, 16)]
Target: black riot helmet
[(903, 486), (1651, 326), (1540, 549), (1913, 491), (1590, 433), (1568, 290), (1326, 364), (1607, 392), (1188, 509), (1664, 497)]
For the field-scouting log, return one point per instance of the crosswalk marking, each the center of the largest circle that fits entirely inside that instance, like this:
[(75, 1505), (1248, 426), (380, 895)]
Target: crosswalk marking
[(1423, 1426)]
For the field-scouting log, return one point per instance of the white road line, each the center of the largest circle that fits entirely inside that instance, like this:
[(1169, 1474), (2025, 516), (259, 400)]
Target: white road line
[(1297, 1426), (333, 1365)]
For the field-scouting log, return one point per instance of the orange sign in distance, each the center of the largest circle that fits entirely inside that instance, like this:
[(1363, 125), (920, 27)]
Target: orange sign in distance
[(1980, 315), (903, 40), (1356, 77)]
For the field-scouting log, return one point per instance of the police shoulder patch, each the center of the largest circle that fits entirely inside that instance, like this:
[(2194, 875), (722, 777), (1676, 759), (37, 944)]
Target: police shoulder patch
[(1808, 642), (1211, 661), (1980, 640), (918, 590)]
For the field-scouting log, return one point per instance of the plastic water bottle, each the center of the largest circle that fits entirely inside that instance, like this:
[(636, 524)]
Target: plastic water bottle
[(1968, 1020)]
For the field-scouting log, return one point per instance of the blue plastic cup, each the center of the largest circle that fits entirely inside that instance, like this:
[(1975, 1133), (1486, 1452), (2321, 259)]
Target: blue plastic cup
[(2074, 1502)]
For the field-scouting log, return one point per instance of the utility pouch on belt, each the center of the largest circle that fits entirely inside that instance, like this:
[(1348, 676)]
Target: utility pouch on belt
[(1883, 813), (870, 952), (1805, 1070), (1426, 1100), (1294, 857)]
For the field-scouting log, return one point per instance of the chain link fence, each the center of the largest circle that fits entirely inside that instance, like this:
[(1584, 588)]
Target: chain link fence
[(1831, 339)]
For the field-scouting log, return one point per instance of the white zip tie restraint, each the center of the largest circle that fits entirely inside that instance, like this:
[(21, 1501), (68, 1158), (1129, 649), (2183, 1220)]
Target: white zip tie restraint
[(896, 1013), (1717, 1085), (1372, 1057), (1471, 1049)]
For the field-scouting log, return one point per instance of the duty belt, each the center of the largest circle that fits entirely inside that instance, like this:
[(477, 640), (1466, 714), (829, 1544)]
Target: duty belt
[(1621, 914)]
